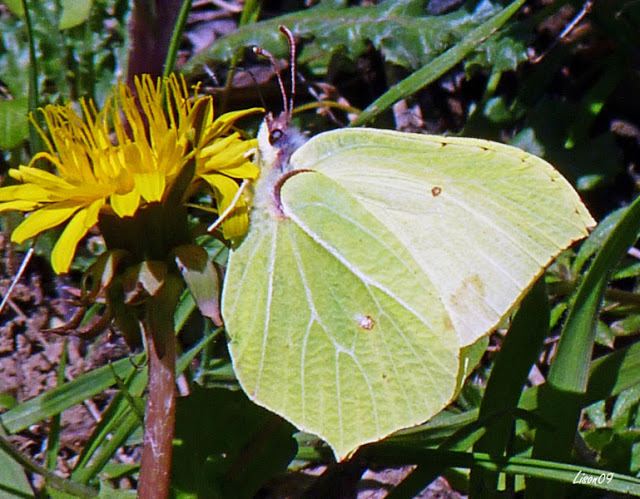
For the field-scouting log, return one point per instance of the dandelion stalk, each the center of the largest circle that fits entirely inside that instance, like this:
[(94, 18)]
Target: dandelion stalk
[(159, 334)]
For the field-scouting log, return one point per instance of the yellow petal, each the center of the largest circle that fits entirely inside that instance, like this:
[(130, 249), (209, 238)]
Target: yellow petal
[(20, 205), (225, 190), (220, 145), (45, 218), (125, 205), (29, 174), (151, 185), (223, 123), (240, 171), (25, 192), (65, 249)]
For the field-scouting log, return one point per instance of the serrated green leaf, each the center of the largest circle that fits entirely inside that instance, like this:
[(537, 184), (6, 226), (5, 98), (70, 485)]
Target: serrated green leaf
[(403, 31), (440, 65), (503, 53)]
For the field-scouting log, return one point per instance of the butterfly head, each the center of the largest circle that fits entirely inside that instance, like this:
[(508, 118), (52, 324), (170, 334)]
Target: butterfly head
[(277, 140)]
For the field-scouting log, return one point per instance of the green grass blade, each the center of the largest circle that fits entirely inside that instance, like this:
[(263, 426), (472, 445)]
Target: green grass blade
[(60, 398), (250, 12), (86, 386), (13, 480), (123, 428), (116, 410), (520, 350), (563, 397), (493, 426), (614, 373), (438, 66), (608, 376), (53, 480), (551, 470), (118, 415), (176, 38), (135, 402), (53, 439), (569, 370), (34, 102)]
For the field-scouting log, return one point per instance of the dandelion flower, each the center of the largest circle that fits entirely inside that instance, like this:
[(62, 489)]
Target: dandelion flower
[(98, 174)]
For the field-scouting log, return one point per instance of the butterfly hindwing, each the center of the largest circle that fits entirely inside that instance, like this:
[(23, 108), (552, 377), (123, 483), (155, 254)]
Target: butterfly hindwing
[(336, 329)]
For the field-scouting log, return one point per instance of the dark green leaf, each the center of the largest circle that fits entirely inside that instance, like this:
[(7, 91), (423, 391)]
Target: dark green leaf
[(403, 31), (520, 350), (226, 446)]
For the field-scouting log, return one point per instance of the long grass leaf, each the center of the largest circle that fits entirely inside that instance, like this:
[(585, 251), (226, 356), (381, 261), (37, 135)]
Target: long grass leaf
[(562, 398), (520, 350)]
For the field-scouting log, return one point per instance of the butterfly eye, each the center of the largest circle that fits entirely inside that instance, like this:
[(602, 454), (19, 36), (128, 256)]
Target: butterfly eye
[(275, 136)]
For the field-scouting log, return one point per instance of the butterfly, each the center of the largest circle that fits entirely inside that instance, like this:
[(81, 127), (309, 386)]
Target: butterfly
[(373, 258)]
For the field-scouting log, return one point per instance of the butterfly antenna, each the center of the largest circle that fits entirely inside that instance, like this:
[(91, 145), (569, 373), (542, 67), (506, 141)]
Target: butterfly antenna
[(292, 51), (272, 60), (257, 84)]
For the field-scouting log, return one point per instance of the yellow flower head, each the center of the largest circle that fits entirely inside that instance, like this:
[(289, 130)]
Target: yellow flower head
[(125, 156)]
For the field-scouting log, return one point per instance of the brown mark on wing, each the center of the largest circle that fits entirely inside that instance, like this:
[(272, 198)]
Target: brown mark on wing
[(470, 287), (365, 322)]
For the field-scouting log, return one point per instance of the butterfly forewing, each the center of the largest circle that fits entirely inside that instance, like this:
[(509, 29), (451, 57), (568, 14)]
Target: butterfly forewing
[(481, 219)]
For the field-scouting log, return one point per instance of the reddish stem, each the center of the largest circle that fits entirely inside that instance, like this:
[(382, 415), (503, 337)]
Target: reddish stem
[(155, 468), (151, 27)]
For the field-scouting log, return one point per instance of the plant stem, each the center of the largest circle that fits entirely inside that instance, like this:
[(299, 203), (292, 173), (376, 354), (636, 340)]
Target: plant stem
[(159, 331), (159, 423), (150, 32)]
